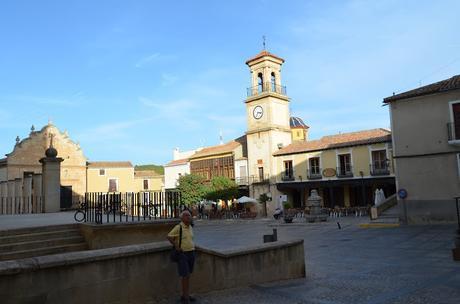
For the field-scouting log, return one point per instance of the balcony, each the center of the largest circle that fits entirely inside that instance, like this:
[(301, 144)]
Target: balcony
[(314, 174), (256, 179), (267, 87), (453, 133), (242, 181), (287, 176), (379, 168), (343, 172)]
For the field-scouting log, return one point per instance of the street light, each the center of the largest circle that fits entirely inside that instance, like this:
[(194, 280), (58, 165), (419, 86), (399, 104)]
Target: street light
[(456, 250), (361, 173)]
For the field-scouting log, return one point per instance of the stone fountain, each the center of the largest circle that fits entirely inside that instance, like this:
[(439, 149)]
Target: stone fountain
[(314, 204)]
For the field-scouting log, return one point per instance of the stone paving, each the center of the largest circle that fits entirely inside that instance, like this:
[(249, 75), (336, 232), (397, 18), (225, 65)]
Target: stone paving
[(408, 264)]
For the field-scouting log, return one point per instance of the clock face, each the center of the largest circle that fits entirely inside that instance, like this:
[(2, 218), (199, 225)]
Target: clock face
[(258, 112)]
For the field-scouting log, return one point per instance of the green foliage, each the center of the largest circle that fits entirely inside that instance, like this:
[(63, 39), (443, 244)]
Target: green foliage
[(222, 188), (263, 198), (287, 206), (192, 188), (158, 169)]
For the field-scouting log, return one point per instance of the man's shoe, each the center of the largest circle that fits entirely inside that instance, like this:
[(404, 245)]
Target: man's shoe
[(191, 299), (184, 300)]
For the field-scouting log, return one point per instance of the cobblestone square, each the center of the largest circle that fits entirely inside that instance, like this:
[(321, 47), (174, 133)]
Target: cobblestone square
[(407, 264)]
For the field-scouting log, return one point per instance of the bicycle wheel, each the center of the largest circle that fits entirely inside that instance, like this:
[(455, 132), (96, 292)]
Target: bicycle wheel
[(79, 216)]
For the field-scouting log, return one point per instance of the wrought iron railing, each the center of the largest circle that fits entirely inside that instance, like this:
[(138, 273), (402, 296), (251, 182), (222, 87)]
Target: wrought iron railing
[(287, 176), (314, 174), (265, 88), (345, 171), (379, 169), (242, 181), (451, 134), (99, 207), (256, 179)]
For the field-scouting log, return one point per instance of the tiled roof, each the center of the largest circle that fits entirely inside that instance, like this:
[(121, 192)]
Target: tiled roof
[(338, 141), (110, 164), (216, 150), (177, 162), (452, 83), (297, 122), (146, 173), (262, 54)]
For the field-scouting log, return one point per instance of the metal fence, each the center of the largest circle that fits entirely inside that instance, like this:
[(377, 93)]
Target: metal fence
[(21, 204), (99, 207)]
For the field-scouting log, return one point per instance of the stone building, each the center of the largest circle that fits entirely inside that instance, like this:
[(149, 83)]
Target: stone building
[(77, 175), (426, 147), (24, 159)]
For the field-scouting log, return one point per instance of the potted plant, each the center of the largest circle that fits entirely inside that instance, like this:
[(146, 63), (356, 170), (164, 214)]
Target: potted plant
[(288, 216)]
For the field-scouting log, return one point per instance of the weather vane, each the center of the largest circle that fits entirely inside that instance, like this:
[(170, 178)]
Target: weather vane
[(263, 42)]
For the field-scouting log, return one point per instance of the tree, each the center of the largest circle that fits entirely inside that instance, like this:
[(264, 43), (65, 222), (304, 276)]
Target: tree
[(223, 188), (263, 199), (193, 188)]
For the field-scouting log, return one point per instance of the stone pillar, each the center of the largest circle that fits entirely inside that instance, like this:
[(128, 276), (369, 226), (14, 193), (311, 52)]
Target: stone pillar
[(37, 195), (18, 196), (27, 193), (3, 195), (51, 180)]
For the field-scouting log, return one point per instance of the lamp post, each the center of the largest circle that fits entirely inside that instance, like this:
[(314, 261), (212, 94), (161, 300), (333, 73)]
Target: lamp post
[(361, 173), (456, 250)]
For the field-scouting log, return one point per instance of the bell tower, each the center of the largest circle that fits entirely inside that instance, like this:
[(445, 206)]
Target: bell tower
[(267, 112)]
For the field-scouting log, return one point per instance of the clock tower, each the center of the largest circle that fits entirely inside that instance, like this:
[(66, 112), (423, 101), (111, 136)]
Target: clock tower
[(267, 111)]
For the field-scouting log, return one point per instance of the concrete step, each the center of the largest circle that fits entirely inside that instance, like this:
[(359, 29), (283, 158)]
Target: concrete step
[(38, 229), (36, 236), (41, 243), (21, 254)]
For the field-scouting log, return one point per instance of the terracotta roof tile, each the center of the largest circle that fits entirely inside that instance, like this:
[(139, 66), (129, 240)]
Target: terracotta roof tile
[(338, 141), (262, 54), (110, 164), (452, 83), (215, 150), (177, 162)]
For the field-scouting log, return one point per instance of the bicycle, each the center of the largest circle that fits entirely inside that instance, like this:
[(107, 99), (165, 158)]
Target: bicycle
[(80, 214)]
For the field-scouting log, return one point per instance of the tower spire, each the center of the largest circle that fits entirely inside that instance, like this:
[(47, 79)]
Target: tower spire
[(263, 41)]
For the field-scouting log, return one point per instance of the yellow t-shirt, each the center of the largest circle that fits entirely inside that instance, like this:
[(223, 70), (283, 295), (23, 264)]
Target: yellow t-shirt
[(187, 236)]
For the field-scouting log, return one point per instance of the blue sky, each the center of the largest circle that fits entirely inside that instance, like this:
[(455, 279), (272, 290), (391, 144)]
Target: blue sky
[(131, 80)]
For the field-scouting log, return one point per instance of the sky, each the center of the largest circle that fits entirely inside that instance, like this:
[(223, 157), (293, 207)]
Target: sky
[(132, 80)]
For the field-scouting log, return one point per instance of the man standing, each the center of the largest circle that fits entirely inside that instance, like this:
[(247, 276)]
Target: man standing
[(186, 249)]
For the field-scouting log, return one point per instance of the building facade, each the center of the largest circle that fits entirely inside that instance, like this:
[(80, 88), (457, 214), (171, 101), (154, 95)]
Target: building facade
[(426, 147), (345, 168), (77, 175)]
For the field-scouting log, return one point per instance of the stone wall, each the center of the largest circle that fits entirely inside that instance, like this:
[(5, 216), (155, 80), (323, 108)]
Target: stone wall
[(142, 273), (120, 234)]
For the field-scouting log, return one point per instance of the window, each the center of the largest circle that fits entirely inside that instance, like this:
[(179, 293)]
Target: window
[(458, 163), (260, 82), (261, 173), (101, 172), (113, 185), (344, 165), (273, 82), (379, 160), (314, 166), (456, 120), (146, 184), (288, 171)]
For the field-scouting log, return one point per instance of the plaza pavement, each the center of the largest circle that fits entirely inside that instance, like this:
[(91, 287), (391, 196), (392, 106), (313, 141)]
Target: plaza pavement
[(407, 264)]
